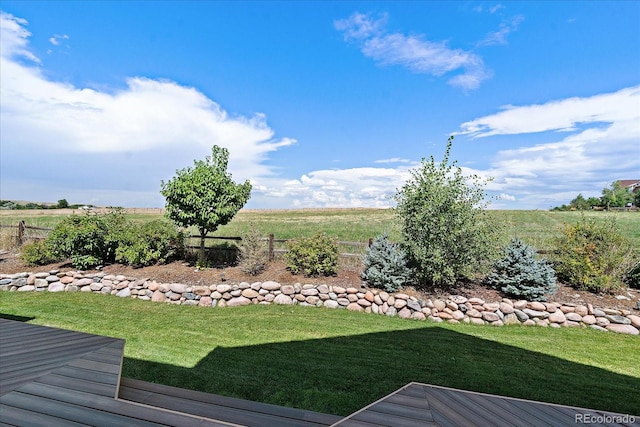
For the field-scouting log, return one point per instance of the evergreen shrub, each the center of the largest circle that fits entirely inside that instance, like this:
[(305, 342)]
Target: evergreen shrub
[(519, 273), (385, 265), (312, 256)]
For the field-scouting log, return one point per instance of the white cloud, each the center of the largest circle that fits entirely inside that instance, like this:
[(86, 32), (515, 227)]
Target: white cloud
[(500, 37), (602, 145), (561, 115), (412, 52), (355, 187), (393, 160), (160, 121), (14, 37), (56, 38)]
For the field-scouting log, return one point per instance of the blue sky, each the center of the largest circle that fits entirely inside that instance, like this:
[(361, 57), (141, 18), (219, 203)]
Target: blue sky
[(321, 104)]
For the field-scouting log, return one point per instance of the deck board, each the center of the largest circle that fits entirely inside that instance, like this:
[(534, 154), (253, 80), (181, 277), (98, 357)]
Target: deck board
[(224, 408), (451, 407)]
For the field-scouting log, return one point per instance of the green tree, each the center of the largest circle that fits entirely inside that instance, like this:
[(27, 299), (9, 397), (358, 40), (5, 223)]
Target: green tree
[(594, 201), (205, 195), (63, 204), (579, 203), (447, 232), (616, 196)]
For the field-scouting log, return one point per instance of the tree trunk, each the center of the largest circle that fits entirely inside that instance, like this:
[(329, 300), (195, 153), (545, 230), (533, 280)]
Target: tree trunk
[(201, 254)]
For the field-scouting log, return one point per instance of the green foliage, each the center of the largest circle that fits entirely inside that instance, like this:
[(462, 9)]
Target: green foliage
[(520, 274), (150, 243), (312, 256), (447, 232), (385, 265), (37, 253), (62, 204), (593, 255), (632, 278), (252, 258), (616, 196), (89, 239), (205, 195)]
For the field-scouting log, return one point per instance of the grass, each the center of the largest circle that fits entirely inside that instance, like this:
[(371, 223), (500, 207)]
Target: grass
[(537, 228), (336, 361)]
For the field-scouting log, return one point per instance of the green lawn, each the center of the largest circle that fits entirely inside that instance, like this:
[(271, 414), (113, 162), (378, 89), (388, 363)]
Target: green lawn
[(336, 361)]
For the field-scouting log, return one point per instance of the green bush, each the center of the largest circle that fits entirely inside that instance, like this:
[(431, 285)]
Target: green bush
[(312, 256), (150, 243), (252, 258), (593, 255), (447, 232), (37, 253), (385, 265), (88, 240), (632, 278), (520, 274)]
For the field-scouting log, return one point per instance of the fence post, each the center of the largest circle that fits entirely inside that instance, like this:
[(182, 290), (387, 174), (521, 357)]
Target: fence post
[(270, 246), (21, 227), (370, 241)]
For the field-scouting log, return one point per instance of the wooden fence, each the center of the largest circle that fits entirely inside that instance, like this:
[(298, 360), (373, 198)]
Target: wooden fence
[(272, 251), (23, 234)]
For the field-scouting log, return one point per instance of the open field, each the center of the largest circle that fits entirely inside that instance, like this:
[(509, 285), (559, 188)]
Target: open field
[(337, 361), (535, 227)]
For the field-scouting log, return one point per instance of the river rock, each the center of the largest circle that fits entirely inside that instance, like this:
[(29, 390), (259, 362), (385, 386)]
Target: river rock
[(283, 299), (490, 316), (354, 306), (125, 292), (623, 329), (621, 320), (506, 308), (405, 313), (635, 320), (238, 301), (330, 303), (557, 317), (535, 313), (287, 290), (250, 293), (158, 297)]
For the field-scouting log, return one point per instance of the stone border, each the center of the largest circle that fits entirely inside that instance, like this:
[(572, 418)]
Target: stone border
[(454, 309)]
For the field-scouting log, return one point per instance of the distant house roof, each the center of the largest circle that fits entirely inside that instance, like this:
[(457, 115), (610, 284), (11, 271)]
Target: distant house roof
[(631, 184)]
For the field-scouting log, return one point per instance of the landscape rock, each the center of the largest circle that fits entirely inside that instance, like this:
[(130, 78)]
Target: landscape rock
[(283, 299), (623, 329)]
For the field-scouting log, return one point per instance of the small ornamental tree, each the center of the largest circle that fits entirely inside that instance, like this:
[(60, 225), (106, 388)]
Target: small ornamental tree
[(520, 274), (447, 233), (385, 265), (205, 196), (252, 257)]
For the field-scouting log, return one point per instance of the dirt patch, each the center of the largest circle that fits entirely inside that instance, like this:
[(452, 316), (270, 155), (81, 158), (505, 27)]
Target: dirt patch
[(183, 272)]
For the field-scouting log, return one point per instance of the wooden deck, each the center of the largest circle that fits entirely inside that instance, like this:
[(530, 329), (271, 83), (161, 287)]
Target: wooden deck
[(423, 405), (54, 377)]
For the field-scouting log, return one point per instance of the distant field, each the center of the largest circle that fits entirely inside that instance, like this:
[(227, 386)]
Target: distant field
[(535, 227)]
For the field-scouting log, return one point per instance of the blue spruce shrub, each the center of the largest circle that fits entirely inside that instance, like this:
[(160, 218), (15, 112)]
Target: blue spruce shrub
[(519, 273), (385, 265)]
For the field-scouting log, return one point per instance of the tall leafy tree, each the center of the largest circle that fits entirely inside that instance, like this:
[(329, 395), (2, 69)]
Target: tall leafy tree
[(447, 232), (616, 195), (205, 195)]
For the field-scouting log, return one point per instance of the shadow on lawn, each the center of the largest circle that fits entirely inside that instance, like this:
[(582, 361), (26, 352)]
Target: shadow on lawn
[(341, 375), (16, 318)]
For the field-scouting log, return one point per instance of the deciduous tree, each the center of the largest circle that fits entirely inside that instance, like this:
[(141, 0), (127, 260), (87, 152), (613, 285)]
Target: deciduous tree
[(205, 195)]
